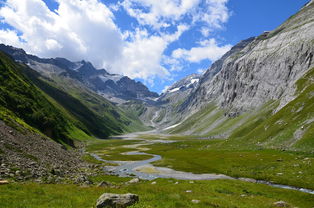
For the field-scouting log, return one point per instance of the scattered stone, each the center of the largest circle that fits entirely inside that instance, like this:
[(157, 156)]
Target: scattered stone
[(134, 180), (116, 200), (3, 182), (281, 204), (176, 182), (195, 201), (104, 184), (188, 191), (251, 180)]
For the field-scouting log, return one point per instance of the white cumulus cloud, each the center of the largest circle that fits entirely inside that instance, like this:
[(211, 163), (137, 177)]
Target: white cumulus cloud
[(158, 13), (143, 55), (76, 30), (207, 50), (87, 29)]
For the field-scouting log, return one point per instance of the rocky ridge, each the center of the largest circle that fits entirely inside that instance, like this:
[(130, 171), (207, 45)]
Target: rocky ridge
[(114, 87), (259, 69)]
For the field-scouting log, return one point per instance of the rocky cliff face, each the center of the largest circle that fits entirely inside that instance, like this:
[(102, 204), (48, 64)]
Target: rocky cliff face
[(260, 69)]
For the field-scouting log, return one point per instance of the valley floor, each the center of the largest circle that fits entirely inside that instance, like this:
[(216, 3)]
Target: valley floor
[(184, 155)]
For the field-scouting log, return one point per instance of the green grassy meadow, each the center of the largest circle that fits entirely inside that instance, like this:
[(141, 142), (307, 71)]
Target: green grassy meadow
[(164, 194)]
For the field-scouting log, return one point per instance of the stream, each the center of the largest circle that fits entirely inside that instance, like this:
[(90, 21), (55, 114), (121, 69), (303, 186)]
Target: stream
[(146, 171)]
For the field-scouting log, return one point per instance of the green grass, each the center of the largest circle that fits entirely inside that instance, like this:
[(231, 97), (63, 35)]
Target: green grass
[(99, 144), (117, 156), (112, 149), (201, 156), (164, 194), (193, 122), (90, 159), (79, 134), (109, 178)]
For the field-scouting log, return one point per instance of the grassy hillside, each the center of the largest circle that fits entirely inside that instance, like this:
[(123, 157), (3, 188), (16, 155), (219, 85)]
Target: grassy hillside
[(97, 114), (290, 128), (60, 108), (22, 102)]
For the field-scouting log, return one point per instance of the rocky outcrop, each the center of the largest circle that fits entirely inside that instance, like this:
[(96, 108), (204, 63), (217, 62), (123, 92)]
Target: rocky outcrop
[(116, 200), (259, 69)]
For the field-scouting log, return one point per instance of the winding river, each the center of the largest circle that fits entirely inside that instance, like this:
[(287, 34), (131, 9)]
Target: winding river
[(146, 171)]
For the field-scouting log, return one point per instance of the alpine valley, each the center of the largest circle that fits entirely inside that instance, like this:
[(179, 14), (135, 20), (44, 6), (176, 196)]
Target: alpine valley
[(239, 135)]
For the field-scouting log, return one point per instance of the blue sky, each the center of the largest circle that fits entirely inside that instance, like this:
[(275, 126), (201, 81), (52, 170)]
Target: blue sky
[(156, 42)]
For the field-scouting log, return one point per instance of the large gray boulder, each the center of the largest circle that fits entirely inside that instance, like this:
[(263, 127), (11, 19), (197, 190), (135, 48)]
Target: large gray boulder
[(116, 200)]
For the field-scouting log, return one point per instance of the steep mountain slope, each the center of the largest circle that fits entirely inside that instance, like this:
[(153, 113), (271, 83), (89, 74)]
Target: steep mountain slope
[(165, 111), (62, 112), (266, 69), (255, 86), (21, 101)]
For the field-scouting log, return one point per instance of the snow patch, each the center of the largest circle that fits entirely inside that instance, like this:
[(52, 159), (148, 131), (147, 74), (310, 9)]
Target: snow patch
[(77, 66), (114, 77), (174, 90), (192, 82), (173, 126)]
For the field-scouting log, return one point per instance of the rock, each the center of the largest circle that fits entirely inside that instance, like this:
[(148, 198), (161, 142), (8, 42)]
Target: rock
[(281, 204), (248, 180), (134, 180), (154, 182), (116, 200), (195, 201), (104, 184), (188, 191), (3, 182)]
